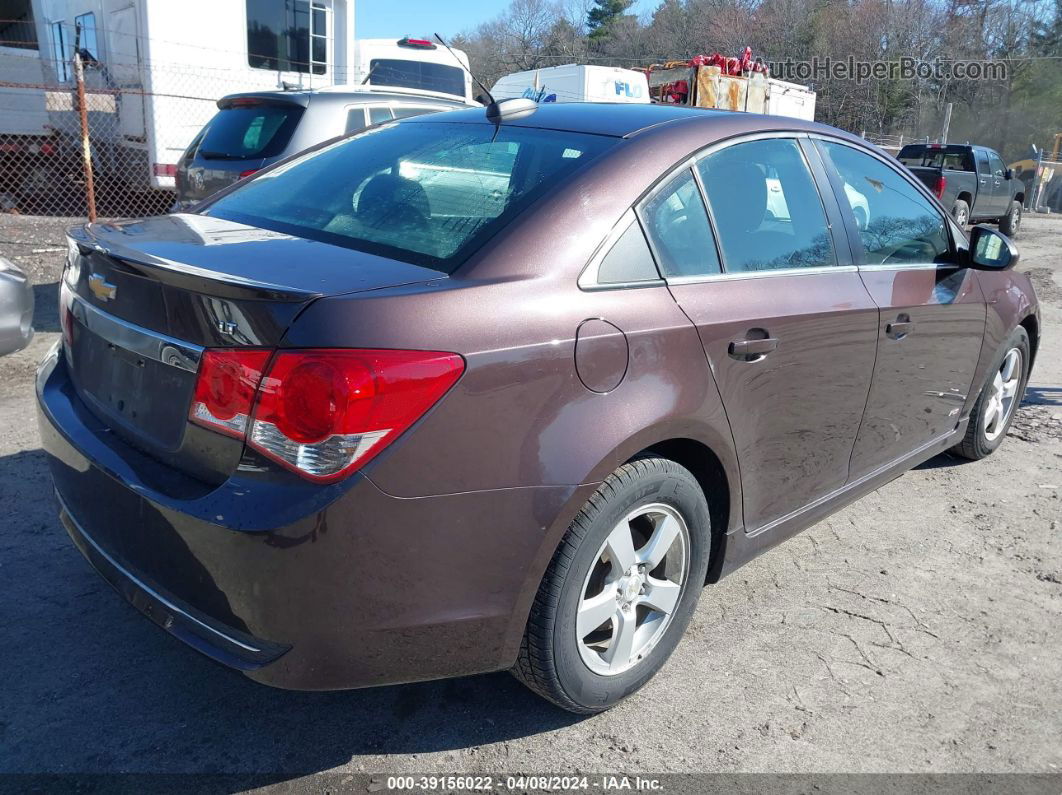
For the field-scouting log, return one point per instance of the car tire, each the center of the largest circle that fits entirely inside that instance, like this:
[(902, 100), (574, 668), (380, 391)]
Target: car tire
[(992, 415), (648, 499), (960, 211), (1010, 222)]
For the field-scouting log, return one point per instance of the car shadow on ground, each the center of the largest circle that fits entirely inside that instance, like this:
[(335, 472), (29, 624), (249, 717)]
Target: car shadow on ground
[(1043, 396), (94, 687)]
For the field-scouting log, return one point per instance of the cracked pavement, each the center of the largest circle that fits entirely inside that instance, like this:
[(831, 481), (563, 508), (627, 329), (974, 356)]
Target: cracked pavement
[(920, 629)]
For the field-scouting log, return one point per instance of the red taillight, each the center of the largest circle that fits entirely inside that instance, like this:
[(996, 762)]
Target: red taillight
[(938, 188), (248, 172), (419, 44), (165, 169), (322, 413), (225, 389), (66, 322)]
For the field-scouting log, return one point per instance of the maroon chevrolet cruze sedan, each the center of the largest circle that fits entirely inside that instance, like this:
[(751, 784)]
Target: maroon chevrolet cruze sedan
[(503, 390)]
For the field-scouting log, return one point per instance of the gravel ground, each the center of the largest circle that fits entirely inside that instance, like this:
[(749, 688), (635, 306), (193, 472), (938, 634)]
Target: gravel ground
[(918, 630)]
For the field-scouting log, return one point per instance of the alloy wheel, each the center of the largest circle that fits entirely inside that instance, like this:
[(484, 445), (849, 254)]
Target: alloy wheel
[(1002, 395), (633, 588)]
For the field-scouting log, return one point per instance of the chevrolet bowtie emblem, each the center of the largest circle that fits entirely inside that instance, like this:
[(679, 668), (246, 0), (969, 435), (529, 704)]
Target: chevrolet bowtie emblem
[(101, 288)]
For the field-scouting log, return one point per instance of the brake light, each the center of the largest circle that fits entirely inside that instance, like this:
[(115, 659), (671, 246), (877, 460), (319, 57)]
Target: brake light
[(225, 388), (322, 413), (938, 188), (66, 322), (418, 44), (248, 172), (164, 169)]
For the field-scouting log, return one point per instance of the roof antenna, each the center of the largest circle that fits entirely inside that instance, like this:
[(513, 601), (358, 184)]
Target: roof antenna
[(462, 65)]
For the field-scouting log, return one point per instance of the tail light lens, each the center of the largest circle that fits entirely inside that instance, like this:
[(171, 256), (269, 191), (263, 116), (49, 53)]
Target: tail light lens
[(322, 413), (938, 189), (225, 388), (66, 322), (248, 172)]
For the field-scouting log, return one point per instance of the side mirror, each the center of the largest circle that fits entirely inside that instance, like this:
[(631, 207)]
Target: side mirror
[(990, 250), (1008, 174)]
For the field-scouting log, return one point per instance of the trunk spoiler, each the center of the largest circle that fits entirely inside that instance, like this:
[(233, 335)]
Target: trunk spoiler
[(93, 238)]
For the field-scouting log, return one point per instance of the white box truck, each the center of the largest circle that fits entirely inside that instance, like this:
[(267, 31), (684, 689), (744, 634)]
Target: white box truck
[(575, 83)]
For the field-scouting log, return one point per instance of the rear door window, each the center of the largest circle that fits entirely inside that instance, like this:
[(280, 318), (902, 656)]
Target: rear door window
[(766, 207), (407, 111), (677, 223), (379, 113), (250, 132), (355, 119)]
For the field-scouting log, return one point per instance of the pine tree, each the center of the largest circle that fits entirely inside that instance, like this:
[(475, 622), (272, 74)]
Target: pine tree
[(605, 12)]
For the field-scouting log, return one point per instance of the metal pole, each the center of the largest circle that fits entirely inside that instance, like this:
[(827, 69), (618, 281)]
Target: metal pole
[(86, 148), (947, 123)]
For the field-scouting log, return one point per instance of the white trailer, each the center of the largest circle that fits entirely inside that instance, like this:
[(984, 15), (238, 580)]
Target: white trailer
[(575, 83), (156, 67), (790, 99), (412, 66)]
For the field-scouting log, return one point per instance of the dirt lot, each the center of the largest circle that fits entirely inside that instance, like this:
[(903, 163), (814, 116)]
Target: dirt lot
[(918, 630)]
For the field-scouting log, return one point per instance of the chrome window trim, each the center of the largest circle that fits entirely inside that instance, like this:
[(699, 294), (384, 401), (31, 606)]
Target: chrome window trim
[(910, 266), (137, 339), (718, 277), (691, 164)]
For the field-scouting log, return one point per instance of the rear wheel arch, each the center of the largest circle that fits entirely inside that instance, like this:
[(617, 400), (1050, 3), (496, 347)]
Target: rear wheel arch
[(710, 473), (966, 197), (1032, 328), (711, 461)]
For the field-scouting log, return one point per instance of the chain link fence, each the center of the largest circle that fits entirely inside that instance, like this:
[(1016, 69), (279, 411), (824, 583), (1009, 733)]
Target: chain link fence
[(131, 137)]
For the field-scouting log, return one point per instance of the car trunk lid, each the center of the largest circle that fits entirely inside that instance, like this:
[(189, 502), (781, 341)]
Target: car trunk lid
[(147, 297)]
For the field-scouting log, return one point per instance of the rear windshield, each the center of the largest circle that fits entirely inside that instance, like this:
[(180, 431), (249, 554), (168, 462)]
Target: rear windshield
[(249, 132), (955, 159), (427, 193), (417, 74)]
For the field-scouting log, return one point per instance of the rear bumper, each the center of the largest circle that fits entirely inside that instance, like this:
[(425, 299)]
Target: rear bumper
[(300, 587), (223, 644)]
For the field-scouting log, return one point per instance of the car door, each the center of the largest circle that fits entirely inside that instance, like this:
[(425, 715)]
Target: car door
[(788, 328), (1000, 188), (932, 312), (985, 202)]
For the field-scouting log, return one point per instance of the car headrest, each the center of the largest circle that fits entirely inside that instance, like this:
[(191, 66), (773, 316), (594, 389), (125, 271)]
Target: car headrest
[(738, 193), (387, 193)]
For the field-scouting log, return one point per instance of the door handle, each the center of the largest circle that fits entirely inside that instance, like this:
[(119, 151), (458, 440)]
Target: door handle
[(899, 328), (751, 350)]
